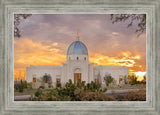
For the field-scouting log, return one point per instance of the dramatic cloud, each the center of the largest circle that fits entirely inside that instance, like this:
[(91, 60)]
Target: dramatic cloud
[(45, 39)]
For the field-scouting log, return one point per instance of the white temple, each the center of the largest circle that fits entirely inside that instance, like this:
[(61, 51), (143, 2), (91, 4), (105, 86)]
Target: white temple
[(77, 66)]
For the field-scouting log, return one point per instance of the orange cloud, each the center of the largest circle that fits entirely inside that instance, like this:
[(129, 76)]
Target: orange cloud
[(19, 73), (123, 60), (28, 52)]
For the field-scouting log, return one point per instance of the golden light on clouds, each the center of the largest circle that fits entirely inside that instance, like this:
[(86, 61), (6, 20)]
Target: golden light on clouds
[(46, 37), (19, 73), (125, 59), (115, 33), (28, 52)]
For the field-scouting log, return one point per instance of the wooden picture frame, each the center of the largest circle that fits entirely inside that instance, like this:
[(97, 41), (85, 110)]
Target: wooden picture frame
[(7, 10)]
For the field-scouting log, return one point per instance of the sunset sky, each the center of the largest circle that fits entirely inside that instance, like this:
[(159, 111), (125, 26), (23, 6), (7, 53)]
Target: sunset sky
[(46, 37)]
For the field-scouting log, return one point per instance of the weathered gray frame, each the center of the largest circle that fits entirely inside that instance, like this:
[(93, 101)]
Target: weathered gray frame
[(149, 107)]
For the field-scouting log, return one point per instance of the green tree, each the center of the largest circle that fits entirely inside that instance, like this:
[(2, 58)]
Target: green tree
[(108, 79), (29, 85), (17, 20), (99, 79), (47, 78), (132, 79), (24, 84), (140, 20), (144, 79)]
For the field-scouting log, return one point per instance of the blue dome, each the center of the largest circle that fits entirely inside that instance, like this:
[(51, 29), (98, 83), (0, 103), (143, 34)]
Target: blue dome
[(77, 48)]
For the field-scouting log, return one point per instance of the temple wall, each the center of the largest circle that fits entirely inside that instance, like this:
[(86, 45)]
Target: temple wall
[(40, 71), (115, 71), (66, 71)]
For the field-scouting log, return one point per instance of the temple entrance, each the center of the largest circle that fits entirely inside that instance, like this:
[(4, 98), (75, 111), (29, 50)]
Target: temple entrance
[(76, 77)]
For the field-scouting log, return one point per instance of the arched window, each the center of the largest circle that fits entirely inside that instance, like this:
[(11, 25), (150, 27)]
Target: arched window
[(84, 58), (77, 58)]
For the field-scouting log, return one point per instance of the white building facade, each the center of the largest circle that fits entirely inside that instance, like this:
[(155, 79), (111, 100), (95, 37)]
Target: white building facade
[(77, 66)]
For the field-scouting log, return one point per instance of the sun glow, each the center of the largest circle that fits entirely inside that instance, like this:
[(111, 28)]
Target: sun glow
[(140, 75)]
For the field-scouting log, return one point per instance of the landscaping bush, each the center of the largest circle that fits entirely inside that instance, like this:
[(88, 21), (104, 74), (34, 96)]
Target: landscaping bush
[(85, 92), (82, 95), (38, 92), (42, 87), (20, 88), (108, 79), (104, 90), (132, 79), (16, 86), (33, 98), (29, 85), (92, 87), (24, 84), (47, 78), (73, 92), (58, 85)]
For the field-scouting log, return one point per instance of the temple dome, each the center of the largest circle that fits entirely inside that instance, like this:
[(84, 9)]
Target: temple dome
[(77, 48)]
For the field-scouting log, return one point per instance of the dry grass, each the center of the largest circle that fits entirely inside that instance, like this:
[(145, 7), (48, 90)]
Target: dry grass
[(126, 86), (133, 96)]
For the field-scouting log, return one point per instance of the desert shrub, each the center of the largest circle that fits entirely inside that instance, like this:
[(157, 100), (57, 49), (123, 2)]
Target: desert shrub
[(132, 79), (58, 85), (29, 85), (110, 98), (43, 98), (96, 96), (20, 88), (38, 92), (92, 87), (78, 94), (50, 85), (16, 86), (144, 79), (42, 87), (104, 90), (67, 98), (99, 79), (73, 92), (133, 96), (136, 96), (120, 97), (24, 84), (51, 98), (40, 79), (108, 79), (83, 83), (33, 98), (47, 78)]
